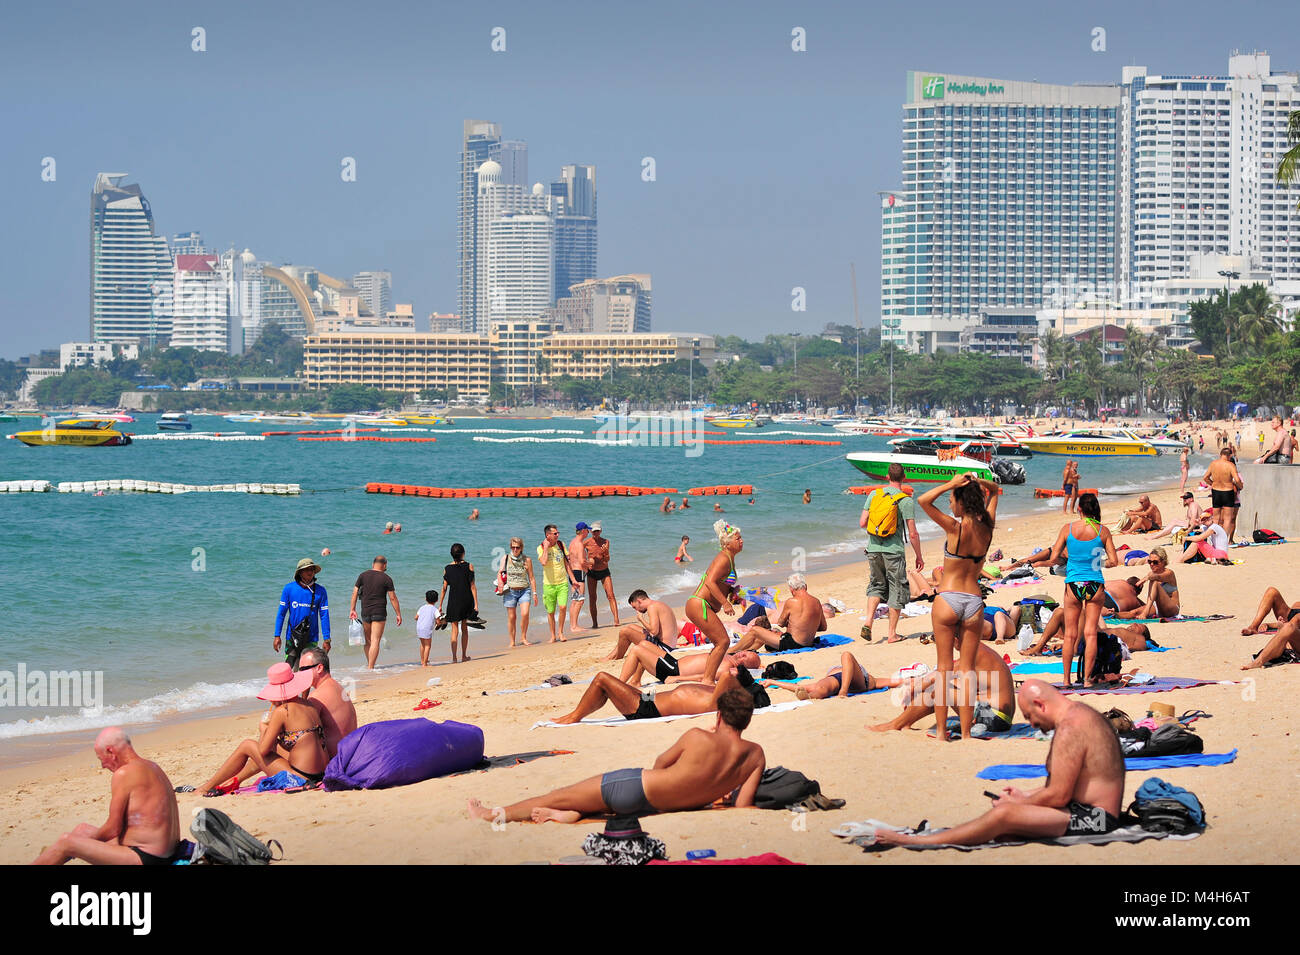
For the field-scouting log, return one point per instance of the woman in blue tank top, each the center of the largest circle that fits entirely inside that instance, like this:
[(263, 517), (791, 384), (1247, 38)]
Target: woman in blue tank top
[(1087, 547)]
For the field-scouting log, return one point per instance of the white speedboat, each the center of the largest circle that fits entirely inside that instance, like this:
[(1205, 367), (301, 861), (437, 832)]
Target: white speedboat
[(174, 421)]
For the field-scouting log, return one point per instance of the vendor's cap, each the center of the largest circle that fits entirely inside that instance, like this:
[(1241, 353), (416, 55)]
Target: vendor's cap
[(304, 564), (283, 684)]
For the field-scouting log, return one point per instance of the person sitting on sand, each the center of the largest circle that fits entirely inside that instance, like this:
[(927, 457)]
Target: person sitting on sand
[(994, 689), (685, 699), (1208, 542), (834, 684), (1162, 592), (998, 625), (1084, 789), (143, 825), (1272, 602), (1138, 520), (293, 738), (700, 768), (1191, 518), (1284, 644), (338, 714), (655, 622), (801, 615)]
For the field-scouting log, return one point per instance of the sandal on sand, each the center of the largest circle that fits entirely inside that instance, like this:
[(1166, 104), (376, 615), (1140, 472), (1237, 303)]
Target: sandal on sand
[(229, 786), (427, 704)]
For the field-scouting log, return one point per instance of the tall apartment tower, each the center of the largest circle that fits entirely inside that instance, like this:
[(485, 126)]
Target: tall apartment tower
[(575, 227), (515, 250), (512, 156), (130, 266), (376, 290), (477, 143)]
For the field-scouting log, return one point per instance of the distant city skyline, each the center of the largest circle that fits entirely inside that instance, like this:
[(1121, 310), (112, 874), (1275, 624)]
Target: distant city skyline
[(766, 161)]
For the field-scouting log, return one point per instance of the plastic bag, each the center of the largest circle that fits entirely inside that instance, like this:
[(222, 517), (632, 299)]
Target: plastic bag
[(356, 634)]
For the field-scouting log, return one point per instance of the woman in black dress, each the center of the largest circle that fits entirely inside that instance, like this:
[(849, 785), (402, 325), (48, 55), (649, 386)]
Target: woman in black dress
[(459, 599)]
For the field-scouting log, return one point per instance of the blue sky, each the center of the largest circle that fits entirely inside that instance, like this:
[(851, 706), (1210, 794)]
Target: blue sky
[(768, 161)]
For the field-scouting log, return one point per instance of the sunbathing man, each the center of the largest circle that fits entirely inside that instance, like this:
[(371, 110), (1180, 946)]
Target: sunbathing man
[(646, 657), (1138, 520), (1085, 781), (1121, 597), (1273, 602), (701, 767), (1135, 636), (834, 684), (801, 615), (1042, 557), (655, 622), (994, 688), (685, 699), (143, 826), (1286, 641), (1191, 518)]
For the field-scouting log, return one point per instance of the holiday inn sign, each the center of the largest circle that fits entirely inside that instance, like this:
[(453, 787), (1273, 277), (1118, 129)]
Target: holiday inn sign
[(933, 87)]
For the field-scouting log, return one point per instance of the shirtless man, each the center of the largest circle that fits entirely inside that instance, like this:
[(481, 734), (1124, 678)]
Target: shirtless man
[(1191, 517), (1224, 483), (801, 615), (598, 552), (692, 667), (655, 621), (685, 699), (701, 767), (995, 689), (1138, 520), (1281, 450), (1085, 781), (834, 684), (1272, 602), (579, 563), (1069, 488), (144, 824), (338, 715)]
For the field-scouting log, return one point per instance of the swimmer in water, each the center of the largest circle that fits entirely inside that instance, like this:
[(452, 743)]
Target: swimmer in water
[(473, 515)]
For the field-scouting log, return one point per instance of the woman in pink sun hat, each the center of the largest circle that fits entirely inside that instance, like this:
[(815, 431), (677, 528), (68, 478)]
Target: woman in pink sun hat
[(292, 737)]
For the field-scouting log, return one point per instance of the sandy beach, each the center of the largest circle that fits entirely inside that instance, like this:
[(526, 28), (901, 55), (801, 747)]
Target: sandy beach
[(897, 777)]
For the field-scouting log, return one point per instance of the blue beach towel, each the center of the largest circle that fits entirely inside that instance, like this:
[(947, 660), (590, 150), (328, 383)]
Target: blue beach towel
[(821, 643), (1035, 771), (281, 780)]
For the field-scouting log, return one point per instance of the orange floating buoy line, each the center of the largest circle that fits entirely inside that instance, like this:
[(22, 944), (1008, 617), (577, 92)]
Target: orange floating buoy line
[(599, 490), (722, 489), (367, 438), (1054, 492), (758, 441), (286, 434), (907, 489)]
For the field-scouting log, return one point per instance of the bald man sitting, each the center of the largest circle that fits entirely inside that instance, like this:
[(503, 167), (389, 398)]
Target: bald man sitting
[(1085, 781), (801, 615), (143, 826)]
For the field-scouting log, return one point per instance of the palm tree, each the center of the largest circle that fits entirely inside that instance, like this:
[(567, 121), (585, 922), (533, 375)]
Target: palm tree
[(1136, 349), (1288, 169), (1257, 316)]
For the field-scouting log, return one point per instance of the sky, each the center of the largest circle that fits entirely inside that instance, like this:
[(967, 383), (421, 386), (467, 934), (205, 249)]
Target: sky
[(767, 160)]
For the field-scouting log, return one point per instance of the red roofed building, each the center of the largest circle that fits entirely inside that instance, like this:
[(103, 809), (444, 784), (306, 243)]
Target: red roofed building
[(200, 303)]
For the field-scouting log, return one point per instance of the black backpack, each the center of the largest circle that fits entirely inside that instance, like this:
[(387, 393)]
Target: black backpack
[(780, 670), (780, 788), (1110, 658), (219, 840), (1266, 536)]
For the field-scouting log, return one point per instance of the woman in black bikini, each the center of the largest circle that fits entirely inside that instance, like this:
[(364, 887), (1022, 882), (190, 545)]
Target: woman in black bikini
[(292, 737), (959, 606)]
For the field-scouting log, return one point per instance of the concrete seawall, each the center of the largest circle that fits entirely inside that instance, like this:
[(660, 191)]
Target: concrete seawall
[(1270, 498)]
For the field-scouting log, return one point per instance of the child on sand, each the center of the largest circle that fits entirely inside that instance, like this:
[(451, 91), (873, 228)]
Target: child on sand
[(683, 557), (424, 620)]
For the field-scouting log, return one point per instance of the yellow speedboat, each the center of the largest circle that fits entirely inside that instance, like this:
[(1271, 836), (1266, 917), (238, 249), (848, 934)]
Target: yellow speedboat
[(77, 432), (1090, 443), (427, 419)]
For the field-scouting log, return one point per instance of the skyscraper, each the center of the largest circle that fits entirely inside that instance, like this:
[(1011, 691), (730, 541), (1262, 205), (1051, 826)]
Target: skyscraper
[(478, 139), (200, 303), (575, 226), (376, 290), (512, 156), (515, 250), (130, 266)]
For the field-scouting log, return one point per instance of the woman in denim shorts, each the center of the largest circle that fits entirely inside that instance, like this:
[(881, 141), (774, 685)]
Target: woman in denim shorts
[(520, 585)]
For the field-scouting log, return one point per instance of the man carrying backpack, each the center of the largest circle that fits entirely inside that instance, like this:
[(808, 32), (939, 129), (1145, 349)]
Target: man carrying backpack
[(889, 518)]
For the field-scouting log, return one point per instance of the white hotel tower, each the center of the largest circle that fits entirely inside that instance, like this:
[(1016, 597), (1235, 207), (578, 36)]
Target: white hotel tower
[(516, 250)]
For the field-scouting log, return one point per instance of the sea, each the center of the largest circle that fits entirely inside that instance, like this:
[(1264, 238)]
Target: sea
[(171, 599)]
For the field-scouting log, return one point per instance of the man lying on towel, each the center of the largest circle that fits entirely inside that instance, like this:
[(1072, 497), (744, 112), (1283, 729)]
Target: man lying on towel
[(995, 697), (701, 767), (1085, 781), (686, 699)]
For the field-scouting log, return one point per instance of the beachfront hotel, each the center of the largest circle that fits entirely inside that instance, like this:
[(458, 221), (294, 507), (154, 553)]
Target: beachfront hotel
[(592, 355), (408, 362), (1011, 190), (130, 267)]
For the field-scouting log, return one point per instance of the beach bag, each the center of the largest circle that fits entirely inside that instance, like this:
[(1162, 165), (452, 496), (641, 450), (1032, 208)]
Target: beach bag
[(780, 788), (1172, 739), (882, 517), (300, 635), (1266, 536), (356, 634), (1161, 807), (1110, 659), (219, 840)]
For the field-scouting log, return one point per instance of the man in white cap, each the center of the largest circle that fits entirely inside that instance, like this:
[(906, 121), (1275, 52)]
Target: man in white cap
[(598, 552), (305, 604)]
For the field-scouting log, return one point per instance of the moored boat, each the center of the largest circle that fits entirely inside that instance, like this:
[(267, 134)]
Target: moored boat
[(77, 433), (174, 421), (925, 468)]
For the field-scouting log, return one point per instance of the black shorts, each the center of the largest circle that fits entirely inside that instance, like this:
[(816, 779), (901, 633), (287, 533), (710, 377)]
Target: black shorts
[(1089, 820), (665, 667), (646, 709), (374, 617), (595, 575), (1274, 458), (789, 643), (1223, 498), (578, 576)]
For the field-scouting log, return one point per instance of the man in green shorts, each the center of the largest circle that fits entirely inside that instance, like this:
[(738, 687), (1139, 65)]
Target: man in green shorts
[(887, 554), (556, 577)]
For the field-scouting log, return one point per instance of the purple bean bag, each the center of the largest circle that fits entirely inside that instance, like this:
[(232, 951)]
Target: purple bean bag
[(400, 752)]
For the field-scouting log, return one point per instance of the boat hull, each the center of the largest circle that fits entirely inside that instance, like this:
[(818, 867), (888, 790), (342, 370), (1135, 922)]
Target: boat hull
[(73, 439), (917, 467), (1083, 448)]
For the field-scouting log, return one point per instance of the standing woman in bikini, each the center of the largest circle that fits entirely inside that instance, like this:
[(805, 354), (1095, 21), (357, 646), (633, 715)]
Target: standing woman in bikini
[(1182, 467), (958, 614), (713, 595), (1084, 543)]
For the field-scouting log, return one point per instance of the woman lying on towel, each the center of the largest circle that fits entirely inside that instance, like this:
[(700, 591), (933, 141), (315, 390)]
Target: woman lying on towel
[(292, 737)]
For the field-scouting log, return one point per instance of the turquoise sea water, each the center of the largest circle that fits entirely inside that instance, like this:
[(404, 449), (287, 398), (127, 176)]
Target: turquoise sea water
[(116, 583)]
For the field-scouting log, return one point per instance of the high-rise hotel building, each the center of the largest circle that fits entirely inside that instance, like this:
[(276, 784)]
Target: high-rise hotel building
[(1028, 194), (130, 266), (1006, 187)]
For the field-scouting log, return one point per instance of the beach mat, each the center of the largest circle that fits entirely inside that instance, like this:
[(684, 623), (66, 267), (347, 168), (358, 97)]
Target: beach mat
[(1124, 834), (514, 759), (1036, 771), (1161, 684), (1017, 731), (824, 641), (1181, 618), (621, 721)]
